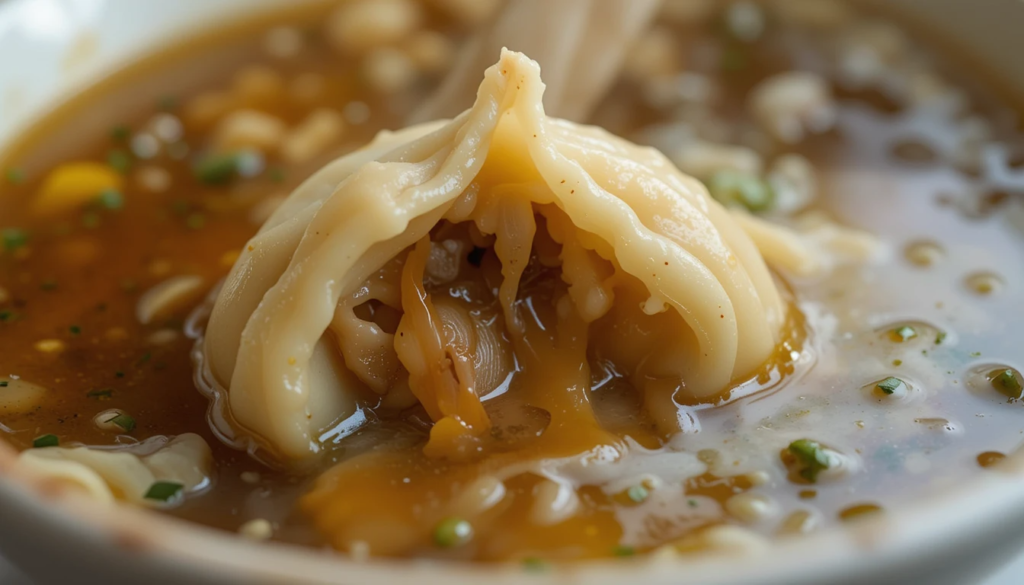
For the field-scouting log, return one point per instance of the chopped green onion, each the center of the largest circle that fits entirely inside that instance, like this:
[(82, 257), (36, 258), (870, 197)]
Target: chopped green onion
[(940, 337), (14, 176), (13, 238), (904, 333), (811, 456), (452, 532), (889, 385), (277, 174), (732, 188), (3, 383), (195, 221), (623, 551), (217, 169), (7, 316), (1008, 383), (111, 199), (167, 102), (46, 441), (164, 491), (120, 133), (124, 421), (637, 493), (101, 394), (75, 330), (535, 565), (119, 160), (692, 503)]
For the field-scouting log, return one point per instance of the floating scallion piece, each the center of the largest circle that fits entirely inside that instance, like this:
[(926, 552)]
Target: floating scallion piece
[(111, 199), (735, 188), (13, 238), (452, 532), (101, 394), (637, 493), (535, 565), (4, 383), (14, 176), (623, 551), (903, 333), (46, 441), (889, 385), (122, 420), (164, 491), (807, 458), (217, 169), (1008, 382), (119, 160), (75, 330), (940, 337)]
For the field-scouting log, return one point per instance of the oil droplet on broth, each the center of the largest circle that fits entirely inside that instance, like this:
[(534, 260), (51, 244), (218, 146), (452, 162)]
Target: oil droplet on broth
[(990, 458), (984, 283), (858, 511), (924, 253)]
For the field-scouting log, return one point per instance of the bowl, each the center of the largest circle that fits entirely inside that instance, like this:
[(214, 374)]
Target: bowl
[(52, 49)]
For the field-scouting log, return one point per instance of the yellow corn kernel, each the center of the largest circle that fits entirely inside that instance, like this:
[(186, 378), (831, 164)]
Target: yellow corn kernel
[(72, 185)]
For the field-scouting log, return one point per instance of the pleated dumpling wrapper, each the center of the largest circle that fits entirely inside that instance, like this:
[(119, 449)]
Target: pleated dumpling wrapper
[(442, 263)]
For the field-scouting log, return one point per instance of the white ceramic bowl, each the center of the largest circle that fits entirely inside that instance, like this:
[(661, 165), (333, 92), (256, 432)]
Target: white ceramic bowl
[(955, 538)]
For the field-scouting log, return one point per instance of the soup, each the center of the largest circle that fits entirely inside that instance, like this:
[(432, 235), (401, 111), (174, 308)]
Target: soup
[(869, 356)]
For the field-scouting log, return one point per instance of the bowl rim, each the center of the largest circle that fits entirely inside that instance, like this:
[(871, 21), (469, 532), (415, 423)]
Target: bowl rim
[(904, 535)]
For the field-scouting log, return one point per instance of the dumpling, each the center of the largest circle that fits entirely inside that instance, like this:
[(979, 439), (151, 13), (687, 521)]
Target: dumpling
[(455, 260), (107, 474)]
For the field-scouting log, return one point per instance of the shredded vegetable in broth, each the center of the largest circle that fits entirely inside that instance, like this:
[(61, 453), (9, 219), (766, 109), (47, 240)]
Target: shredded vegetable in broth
[(769, 289)]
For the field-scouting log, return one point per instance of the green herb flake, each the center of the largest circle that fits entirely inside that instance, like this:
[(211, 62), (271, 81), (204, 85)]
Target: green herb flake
[(692, 503), (102, 394), (217, 169), (1008, 383), (14, 176), (623, 551), (904, 333), (119, 160), (195, 221), (46, 441), (8, 316), (277, 174), (119, 374), (535, 565), (3, 383), (145, 358), (940, 337), (13, 238), (164, 491), (124, 421), (120, 133), (452, 532), (637, 493), (91, 220), (111, 199), (975, 354), (732, 188), (889, 385), (811, 456), (75, 330), (167, 102)]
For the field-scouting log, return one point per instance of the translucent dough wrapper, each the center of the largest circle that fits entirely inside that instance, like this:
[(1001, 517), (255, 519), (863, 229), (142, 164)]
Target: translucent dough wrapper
[(665, 280)]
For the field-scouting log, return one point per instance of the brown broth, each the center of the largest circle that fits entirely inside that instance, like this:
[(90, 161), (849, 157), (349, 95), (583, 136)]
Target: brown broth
[(80, 275)]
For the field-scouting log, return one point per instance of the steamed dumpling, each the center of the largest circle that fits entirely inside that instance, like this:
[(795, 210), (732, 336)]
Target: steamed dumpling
[(444, 260)]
